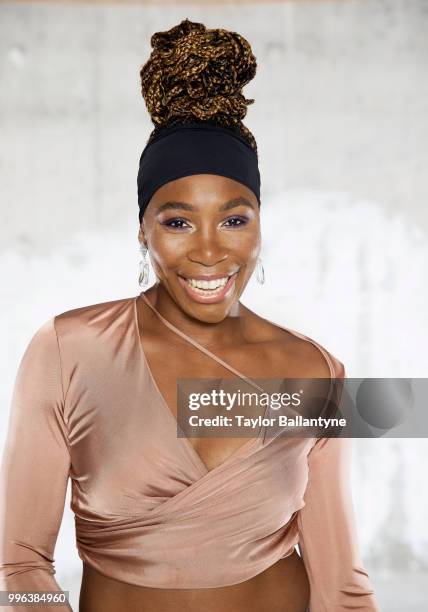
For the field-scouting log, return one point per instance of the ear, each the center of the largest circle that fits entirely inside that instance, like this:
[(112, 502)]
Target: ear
[(141, 236)]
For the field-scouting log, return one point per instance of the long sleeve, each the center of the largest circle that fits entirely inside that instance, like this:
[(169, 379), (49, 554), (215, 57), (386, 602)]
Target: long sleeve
[(328, 538), (34, 472)]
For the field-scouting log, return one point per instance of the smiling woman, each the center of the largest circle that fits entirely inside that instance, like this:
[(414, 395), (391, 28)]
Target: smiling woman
[(165, 522), (207, 288), (208, 255)]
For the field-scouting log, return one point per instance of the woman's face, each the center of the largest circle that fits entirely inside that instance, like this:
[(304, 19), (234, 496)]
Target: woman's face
[(199, 228)]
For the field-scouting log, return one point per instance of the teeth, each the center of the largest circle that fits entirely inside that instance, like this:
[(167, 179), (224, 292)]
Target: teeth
[(211, 285)]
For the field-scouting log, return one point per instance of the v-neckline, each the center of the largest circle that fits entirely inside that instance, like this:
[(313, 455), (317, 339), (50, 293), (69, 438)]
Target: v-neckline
[(240, 449)]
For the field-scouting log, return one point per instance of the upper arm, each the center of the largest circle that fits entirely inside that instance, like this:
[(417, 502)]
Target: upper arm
[(35, 468)]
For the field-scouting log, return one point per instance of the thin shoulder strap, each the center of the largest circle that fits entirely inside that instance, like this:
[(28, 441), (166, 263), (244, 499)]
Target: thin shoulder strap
[(199, 346)]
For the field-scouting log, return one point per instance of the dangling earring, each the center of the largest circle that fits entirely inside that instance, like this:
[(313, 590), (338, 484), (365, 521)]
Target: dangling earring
[(143, 277), (260, 275)]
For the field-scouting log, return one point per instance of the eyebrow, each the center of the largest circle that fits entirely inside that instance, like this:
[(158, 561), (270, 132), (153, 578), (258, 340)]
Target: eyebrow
[(175, 205)]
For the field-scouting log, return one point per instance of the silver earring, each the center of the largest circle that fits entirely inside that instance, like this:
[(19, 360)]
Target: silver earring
[(143, 277), (260, 275)]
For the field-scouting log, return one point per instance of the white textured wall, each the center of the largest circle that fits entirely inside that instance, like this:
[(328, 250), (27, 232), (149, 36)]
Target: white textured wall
[(341, 123)]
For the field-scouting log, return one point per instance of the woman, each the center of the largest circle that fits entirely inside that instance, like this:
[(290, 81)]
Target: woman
[(163, 522)]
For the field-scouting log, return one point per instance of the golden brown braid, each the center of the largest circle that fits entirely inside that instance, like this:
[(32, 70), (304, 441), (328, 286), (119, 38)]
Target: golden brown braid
[(195, 73)]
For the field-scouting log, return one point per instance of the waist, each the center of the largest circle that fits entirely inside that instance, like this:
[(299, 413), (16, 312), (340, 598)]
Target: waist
[(185, 554), (282, 587)]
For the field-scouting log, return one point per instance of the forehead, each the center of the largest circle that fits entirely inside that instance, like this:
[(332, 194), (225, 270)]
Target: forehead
[(202, 189)]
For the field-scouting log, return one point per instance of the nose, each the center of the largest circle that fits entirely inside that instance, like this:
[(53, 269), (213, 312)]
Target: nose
[(207, 249)]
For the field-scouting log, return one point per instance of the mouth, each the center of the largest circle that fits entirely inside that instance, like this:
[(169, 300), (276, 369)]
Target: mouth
[(208, 289)]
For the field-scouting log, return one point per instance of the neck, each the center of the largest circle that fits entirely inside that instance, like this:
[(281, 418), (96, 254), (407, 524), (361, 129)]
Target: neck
[(226, 332)]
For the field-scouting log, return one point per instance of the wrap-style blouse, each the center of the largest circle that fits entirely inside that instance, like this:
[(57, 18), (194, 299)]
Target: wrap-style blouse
[(147, 510)]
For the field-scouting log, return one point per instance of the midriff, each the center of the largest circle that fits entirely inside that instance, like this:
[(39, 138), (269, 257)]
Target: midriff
[(283, 587)]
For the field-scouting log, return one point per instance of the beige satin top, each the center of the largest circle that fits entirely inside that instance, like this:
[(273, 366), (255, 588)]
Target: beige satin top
[(147, 511)]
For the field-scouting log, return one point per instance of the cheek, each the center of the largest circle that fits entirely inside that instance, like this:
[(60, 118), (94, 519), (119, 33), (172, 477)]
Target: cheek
[(167, 253), (247, 245), (164, 258)]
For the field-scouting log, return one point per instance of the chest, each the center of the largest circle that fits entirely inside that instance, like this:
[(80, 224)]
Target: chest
[(170, 362), (126, 458)]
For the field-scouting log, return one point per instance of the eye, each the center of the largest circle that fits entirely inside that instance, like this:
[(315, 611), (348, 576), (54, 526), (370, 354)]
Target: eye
[(241, 221), (172, 222)]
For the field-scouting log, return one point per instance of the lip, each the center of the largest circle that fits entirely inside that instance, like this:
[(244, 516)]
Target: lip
[(207, 277), (209, 299)]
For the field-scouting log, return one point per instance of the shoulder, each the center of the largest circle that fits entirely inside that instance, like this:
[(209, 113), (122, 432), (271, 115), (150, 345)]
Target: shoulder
[(79, 327), (317, 360), (93, 316), (87, 337), (320, 361), (286, 345)]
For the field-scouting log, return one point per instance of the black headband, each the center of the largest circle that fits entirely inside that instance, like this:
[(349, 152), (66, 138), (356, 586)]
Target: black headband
[(196, 148)]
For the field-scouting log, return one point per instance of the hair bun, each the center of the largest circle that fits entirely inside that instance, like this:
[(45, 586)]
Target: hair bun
[(164, 40), (195, 73)]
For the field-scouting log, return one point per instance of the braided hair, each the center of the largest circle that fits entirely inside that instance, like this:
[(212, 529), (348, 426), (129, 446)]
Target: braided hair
[(197, 74)]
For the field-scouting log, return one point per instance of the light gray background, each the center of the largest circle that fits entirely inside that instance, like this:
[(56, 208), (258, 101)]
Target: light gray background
[(341, 123)]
